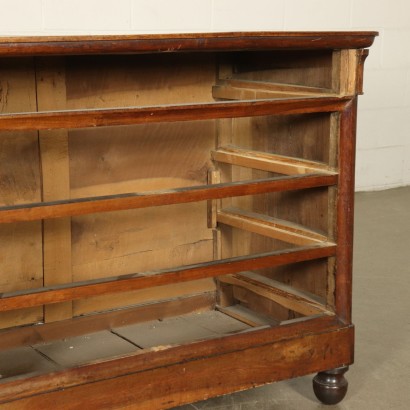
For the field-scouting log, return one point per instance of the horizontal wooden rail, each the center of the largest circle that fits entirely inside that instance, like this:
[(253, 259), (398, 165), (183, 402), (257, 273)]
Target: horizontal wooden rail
[(268, 226), (82, 206), (278, 292), (21, 387), (78, 290), (278, 87), (269, 162), (236, 89), (167, 113)]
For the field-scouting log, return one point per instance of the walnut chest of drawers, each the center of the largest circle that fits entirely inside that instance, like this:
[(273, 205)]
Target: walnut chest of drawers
[(176, 215)]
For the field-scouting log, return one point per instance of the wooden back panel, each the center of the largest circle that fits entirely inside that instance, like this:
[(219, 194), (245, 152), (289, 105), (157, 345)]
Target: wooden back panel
[(305, 89)]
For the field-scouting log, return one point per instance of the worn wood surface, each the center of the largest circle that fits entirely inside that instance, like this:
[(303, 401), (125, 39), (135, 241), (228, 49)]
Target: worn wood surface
[(51, 94), (21, 259), (171, 113), (77, 290), (267, 226), (183, 42), (268, 162), (276, 291), (288, 89), (247, 316), (160, 198), (108, 203), (197, 379), (310, 137), (140, 158), (81, 325), (150, 360)]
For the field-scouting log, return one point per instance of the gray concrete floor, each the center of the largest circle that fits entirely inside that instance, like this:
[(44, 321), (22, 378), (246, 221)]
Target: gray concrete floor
[(380, 377)]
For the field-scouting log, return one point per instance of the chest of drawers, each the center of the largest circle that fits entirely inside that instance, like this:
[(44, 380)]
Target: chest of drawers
[(176, 215)]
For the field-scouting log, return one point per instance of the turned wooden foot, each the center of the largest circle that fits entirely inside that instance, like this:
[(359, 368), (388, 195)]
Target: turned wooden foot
[(330, 387)]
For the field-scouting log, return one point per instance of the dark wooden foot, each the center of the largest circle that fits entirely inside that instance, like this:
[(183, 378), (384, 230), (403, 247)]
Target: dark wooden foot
[(330, 387)]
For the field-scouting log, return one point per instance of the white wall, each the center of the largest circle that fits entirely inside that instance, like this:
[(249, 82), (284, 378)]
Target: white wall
[(383, 155)]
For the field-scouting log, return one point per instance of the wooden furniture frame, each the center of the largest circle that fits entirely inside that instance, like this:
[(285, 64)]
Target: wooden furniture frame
[(159, 180)]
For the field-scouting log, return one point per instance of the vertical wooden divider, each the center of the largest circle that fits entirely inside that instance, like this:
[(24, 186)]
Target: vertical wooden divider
[(222, 237), (345, 82), (51, 95), (332, 200), (351, 74)]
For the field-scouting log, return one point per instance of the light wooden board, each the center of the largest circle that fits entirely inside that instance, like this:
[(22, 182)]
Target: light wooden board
[(116, 160), (271, 227), (21, 244), (312, 69), (136, 80), (268, 162), (51, 95), (113, 160), (139, 241)]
